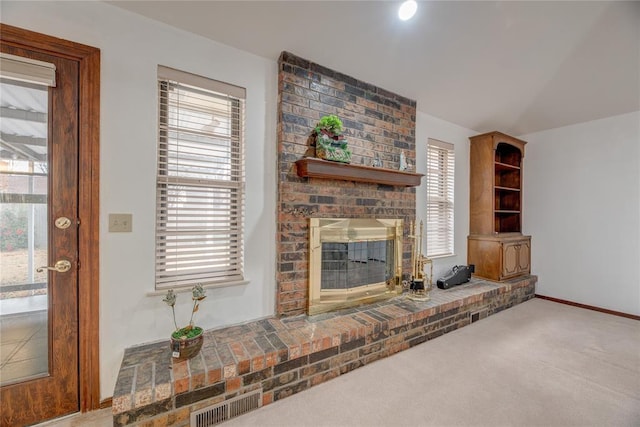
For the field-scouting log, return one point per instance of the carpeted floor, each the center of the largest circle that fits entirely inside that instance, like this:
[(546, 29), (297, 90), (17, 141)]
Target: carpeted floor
[(537, 364)]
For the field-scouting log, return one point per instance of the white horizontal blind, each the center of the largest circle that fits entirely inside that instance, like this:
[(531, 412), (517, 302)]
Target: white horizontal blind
[(200, 182), (440, 177)]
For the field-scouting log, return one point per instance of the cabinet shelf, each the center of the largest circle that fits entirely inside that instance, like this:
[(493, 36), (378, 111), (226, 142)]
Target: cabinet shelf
[(505, 166), (310, 167), (500, 188), (502, 211)]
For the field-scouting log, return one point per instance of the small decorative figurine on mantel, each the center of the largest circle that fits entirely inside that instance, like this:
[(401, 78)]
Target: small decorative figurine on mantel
[(403, 161), (376, 163)]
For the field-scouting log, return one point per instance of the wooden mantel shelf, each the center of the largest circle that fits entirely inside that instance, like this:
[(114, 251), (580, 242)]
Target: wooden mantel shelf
[(311, 167)]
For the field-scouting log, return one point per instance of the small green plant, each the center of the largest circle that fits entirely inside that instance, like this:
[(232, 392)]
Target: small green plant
[(189, 331), (330, 144), (330, 123)]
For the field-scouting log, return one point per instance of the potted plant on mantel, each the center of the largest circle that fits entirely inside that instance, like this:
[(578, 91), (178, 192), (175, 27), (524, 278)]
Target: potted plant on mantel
[(329, 141), (187, 341)]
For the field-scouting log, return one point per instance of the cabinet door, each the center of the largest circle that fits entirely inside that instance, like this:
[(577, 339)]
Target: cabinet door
[(510, 259), (524, 257)]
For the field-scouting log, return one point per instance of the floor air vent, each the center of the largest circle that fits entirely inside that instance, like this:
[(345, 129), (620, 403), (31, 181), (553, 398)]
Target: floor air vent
[(215, 414), (480, 314)]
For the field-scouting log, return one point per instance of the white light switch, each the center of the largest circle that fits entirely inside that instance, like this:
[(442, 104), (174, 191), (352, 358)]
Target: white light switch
[(120, 223)]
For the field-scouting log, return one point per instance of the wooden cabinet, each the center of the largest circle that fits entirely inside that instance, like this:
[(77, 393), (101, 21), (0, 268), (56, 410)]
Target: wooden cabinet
[(500, 257), (496, 246)]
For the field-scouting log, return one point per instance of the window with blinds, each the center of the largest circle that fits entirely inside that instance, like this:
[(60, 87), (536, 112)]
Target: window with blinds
[(200, 181), (440, 176)]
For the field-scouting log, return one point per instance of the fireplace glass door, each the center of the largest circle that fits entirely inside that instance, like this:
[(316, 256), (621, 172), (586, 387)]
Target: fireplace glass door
[(353, 261), (353, 264)]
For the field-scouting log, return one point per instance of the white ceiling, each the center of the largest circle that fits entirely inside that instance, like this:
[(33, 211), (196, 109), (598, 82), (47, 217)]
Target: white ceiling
[(517, 67)]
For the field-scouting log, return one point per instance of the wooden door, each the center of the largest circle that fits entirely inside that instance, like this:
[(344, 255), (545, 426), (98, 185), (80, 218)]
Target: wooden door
[(66, 157)]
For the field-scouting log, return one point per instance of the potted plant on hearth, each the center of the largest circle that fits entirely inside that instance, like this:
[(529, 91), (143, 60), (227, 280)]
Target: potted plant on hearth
[(329, 141), (186, 341)]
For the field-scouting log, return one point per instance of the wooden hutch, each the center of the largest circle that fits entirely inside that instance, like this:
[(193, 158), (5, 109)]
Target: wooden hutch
[(496, 245)]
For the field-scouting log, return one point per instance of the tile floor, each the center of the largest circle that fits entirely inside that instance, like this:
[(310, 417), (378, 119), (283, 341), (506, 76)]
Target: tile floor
[(23, 345), (100, 418), (23, 352)]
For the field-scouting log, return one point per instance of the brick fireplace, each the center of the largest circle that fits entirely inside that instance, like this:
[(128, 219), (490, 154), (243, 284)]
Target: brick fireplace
[(378, 124), (259, 362)]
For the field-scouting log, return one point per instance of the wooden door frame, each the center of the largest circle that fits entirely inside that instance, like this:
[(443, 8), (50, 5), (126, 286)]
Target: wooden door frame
[(88, 59)]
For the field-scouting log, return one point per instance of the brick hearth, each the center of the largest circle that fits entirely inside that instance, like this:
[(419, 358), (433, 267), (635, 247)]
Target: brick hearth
[(288, 355)]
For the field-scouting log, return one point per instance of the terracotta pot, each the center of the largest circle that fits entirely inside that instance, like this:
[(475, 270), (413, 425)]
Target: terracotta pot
[(186, 348)]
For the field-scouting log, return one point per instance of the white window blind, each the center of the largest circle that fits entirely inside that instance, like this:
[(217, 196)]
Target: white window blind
[(200, 181), (440, 177)]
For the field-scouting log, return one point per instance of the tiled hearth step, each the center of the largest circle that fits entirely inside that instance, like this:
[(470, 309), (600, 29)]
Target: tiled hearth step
[(285, 356)]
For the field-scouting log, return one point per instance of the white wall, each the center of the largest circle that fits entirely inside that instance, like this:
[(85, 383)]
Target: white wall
[(582, 208), (431, 127), (131, 49)]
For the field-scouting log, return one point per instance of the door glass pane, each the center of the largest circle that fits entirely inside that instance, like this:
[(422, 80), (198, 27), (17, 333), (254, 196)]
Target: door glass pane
[(24, 343)]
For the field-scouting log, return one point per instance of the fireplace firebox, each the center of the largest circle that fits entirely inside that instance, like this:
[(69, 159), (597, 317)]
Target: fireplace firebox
[(353, 262)]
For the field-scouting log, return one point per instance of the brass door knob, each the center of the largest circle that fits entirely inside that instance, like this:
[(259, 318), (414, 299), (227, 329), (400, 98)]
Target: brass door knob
[(62, 222), (61, 266)]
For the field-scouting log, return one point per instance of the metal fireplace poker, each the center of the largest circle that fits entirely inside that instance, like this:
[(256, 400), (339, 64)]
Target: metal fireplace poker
[(421, 282)]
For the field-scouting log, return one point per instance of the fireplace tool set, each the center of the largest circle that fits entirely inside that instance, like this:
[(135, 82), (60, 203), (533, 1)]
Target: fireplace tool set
[(421, 282)]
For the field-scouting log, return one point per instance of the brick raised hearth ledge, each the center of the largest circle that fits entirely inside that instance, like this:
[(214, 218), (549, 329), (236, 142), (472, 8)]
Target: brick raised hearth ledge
[(286, 356)]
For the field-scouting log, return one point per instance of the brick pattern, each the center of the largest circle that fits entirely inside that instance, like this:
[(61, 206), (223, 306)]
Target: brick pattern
[(288, 355), (377, 122)]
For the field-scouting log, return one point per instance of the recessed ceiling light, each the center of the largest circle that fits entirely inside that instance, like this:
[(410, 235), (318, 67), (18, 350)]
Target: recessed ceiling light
[(407, 9)]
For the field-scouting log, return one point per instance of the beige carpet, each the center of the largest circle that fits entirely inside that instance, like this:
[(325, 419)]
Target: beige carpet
[(537, 364)]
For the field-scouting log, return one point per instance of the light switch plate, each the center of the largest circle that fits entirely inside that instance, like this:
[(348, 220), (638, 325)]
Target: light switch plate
[(120, 223)]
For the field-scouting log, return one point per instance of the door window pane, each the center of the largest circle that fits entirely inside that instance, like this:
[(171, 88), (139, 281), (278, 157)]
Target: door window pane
[(24, 168)]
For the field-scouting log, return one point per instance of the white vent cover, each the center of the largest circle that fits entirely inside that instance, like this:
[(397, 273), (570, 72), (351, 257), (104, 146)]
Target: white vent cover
[(223, 411)]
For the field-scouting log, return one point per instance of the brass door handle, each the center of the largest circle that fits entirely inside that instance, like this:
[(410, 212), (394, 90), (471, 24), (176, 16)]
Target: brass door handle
[(61, 266)]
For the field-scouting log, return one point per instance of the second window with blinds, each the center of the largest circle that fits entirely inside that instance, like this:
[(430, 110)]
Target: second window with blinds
[(200, 181), (440, 177)]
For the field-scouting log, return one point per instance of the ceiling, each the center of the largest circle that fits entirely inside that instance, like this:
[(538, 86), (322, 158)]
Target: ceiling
[(517, 67)]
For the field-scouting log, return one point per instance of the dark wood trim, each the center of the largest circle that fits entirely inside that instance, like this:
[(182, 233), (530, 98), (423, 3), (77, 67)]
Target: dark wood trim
[(590, 307), (106, 403), (89, 208), (88, 59), (317, 168)]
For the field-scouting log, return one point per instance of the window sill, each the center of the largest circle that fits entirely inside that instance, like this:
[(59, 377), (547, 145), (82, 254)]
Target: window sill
[(441, 256), (184, 289)]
